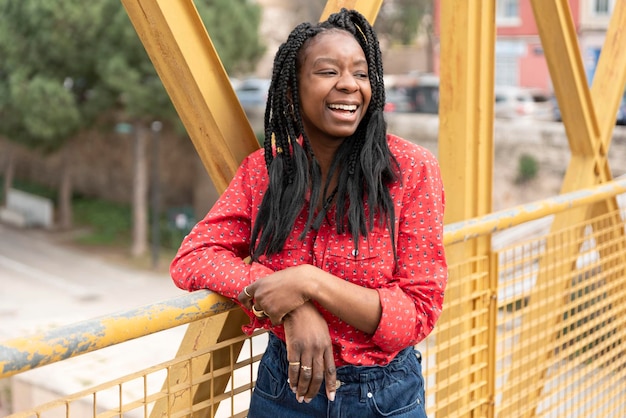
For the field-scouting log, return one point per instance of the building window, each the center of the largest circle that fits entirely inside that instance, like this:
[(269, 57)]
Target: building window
[(602, 7), (507, 9), (507, 73), (507, 12)]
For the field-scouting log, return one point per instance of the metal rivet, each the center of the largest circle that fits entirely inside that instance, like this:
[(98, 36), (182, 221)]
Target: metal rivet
[(355, 253), (369, 395)]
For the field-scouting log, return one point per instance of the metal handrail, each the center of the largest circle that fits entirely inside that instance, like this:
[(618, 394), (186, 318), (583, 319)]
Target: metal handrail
[(26, 353)]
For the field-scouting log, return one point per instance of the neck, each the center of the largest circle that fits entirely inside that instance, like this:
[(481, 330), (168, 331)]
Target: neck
[(324, 154)]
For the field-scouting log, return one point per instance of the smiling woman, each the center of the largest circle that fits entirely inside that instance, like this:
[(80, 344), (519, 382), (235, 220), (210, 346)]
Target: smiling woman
[(330, 236), (335, 92)]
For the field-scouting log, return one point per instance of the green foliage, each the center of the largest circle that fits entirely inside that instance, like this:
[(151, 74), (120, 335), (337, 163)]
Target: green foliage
[(48, 81), (233, 26), (65, 62), (109, 223), (401, 20), (527, 168), (47, 109)]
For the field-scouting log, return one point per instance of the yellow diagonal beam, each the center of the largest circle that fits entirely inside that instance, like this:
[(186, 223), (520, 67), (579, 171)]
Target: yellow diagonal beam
[(186, 61), (589, 127), (368, 8), (610, 75)]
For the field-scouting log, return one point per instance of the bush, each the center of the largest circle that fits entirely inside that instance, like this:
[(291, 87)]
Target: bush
[(109, 223), (527, 168)]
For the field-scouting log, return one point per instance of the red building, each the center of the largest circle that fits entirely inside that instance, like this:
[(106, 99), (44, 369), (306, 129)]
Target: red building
[(519, 55)]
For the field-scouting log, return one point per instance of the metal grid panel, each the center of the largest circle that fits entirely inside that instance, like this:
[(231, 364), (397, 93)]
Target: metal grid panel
[(457, 351), (583, 368), (143, 393)]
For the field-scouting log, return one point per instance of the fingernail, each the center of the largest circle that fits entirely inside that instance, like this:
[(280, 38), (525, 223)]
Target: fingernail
[(300, 399), (308, 400), (331, 396)]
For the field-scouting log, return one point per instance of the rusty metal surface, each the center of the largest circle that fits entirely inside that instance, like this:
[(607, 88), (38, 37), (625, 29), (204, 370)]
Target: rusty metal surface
[(21, 354)]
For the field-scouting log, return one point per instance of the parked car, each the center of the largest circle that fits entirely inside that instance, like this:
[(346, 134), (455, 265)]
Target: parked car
[(522, 103), (396, 100), (424, 95), (556, 111), (621, 111), (252, 94)]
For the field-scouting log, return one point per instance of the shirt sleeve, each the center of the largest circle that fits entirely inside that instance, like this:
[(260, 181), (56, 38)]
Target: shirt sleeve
[(412, 303), (213, 255)]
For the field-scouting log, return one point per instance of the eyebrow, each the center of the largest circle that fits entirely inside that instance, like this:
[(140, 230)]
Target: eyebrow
[(323, 60)]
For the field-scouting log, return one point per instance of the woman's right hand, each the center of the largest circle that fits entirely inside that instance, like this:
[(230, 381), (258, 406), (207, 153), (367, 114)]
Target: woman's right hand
[(309, 352)]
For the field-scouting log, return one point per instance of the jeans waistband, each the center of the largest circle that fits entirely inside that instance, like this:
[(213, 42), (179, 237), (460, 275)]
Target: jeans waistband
[(352, 373)]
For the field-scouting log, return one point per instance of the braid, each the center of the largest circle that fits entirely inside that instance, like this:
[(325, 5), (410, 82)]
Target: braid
[(363, 163)]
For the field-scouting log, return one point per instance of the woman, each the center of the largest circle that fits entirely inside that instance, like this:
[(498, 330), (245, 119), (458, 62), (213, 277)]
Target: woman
[(330, 236)]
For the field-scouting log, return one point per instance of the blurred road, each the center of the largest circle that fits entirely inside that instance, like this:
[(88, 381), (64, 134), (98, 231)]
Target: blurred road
[(44, 285)]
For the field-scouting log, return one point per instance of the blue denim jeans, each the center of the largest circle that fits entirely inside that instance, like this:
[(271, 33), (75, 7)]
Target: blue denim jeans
[(395, 390)]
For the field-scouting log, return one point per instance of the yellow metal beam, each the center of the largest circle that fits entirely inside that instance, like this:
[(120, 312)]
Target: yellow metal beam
[(22, 354), (466, 158), (466, 106), (464, 231), (609, 81), (182, 53), (368, 8)]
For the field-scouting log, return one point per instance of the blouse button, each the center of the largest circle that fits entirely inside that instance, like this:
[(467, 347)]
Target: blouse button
[(355, 252)]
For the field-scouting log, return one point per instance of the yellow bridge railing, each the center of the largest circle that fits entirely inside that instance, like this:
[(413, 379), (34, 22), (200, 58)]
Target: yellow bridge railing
[(579, 315)]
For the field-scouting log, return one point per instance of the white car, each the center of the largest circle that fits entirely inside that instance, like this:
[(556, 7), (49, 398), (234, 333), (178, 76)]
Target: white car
[(522, 103)]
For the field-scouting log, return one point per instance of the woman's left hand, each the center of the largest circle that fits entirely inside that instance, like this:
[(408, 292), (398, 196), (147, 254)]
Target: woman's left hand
[(278, 294), (309, 353)]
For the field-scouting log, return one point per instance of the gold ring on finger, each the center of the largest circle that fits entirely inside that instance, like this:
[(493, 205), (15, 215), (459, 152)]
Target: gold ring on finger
[(259, 313), (294, 363), (245, 290), (305, 368)]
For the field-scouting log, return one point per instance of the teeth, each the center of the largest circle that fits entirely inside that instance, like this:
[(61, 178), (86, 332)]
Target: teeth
[(350, 108)]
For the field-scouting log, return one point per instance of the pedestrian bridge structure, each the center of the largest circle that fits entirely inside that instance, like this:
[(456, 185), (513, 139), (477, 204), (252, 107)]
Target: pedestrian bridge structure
[(533, 325)]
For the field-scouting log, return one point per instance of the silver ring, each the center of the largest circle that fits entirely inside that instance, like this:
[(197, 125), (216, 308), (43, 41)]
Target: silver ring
[(245, 290), (259, 313)]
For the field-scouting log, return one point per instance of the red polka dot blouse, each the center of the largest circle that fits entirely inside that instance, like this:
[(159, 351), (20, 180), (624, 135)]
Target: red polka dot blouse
[(411, 292)]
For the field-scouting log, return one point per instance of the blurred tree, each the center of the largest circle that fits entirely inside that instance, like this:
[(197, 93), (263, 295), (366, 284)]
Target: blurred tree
[(234, 29), (65, 62), (49, 87), (400, 21)]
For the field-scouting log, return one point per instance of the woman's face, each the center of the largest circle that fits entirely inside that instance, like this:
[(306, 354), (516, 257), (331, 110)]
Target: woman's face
[(334, 86)]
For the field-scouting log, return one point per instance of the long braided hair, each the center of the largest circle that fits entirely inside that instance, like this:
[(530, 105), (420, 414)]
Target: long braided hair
[(363, 161)]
